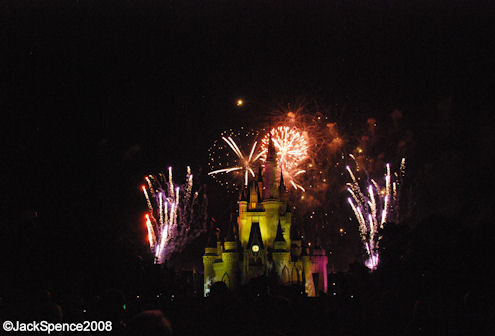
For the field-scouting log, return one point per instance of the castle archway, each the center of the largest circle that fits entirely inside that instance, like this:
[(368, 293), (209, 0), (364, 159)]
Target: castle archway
[(295, 275), (285, 275)]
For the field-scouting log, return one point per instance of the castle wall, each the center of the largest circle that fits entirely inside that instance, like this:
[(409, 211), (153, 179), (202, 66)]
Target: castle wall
[(233, 272), (281, 261)]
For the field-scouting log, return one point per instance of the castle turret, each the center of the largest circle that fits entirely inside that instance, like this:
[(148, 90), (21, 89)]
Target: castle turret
[(254, 196), (209, 258), (243, 200), (231, 240), (230, 258), (219, 243), (282, 190)]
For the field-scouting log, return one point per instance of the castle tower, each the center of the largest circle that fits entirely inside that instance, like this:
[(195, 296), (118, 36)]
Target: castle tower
[(243, 200), (282, 190), (230, 258), (219, 243), (209, 258)]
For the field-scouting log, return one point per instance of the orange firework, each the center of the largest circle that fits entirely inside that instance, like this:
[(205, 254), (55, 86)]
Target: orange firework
[(292, 148)]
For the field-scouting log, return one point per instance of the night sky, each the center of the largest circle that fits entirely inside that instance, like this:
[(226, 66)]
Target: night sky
[(96, 94)]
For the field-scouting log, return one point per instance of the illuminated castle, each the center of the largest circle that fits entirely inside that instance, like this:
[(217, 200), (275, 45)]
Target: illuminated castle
[(262, 243)]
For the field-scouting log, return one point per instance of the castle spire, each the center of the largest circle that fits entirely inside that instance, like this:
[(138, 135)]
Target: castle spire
[(282, 184), (253, 194), (271, 155), (282, 190), (280, 235), (255, 236)]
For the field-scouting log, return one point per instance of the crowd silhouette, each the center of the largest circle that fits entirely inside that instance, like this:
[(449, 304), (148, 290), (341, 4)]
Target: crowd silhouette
[(433, 279)]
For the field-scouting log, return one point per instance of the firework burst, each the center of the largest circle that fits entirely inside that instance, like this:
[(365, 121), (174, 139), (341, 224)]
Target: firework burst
[(373, 206), (229, 164), (308, 147), (176, 215), (292, 151)]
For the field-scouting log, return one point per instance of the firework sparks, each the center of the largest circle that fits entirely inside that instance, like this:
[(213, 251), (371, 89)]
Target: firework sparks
[(176, 215), (292, 151), (245, 161), (151, 232), (222, 162), (365, 205), (150, 207)]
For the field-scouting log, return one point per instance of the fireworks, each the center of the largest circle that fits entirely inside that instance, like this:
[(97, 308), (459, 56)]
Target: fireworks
[(292, 151), (227, 157), (373, 207), (229, 161), (305, 143), (176, 215)]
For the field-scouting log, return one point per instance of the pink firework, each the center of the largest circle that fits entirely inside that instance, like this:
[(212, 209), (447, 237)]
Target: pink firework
[(374, 206)]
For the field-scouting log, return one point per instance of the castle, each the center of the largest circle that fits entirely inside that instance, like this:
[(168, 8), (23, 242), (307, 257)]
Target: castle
[(263, 241)]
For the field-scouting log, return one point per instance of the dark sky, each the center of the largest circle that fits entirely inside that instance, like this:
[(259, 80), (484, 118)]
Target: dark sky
[(96, 94)]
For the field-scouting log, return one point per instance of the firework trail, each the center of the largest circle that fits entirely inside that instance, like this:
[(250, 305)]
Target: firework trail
[(226, 157), (177, 215), (373, 206)]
